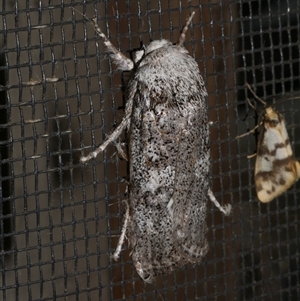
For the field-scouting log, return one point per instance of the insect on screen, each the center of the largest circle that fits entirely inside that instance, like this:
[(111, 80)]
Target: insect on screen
[(61, 217)]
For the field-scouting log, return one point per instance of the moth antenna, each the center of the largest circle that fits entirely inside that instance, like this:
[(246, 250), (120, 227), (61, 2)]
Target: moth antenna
[(256, 97), (184, 30), (79, 12), (123, 62), (251, 105)]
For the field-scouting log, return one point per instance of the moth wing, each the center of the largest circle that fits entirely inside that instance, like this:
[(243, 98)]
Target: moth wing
[(275, 168), (192, 179), (153, 151)]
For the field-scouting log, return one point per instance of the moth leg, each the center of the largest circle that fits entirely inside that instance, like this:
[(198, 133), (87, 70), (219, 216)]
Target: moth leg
[(118, 131), (121, 151), (113, 136), (123, 63), (251, 156), (117, 252), (226, 209), (248, 133), (185, 29)]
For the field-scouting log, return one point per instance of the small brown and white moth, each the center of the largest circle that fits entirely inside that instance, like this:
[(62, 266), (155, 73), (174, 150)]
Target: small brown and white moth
[(169, 157), (276, 169)]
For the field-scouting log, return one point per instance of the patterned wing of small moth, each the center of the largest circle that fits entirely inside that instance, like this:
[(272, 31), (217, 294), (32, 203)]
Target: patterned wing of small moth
[(275, 168), (168, 133)]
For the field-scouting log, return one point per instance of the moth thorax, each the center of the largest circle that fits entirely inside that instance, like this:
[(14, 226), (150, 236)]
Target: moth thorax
[(272, 117), (156, 45)]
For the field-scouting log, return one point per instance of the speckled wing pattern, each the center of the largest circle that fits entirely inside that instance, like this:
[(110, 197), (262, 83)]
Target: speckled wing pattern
[(275, 168)]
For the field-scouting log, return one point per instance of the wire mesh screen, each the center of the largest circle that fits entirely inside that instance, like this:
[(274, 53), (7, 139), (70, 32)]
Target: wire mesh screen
[(60, 220)]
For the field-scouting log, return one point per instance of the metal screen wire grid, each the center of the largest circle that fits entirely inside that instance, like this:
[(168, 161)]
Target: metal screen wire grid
[(60, 96)]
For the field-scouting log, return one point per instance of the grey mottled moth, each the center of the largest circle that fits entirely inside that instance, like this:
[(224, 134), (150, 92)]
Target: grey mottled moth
[(169, 157)]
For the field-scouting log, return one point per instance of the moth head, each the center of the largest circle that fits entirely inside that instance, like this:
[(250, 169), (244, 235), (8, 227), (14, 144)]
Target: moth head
[(272, 118), (144, 50)]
